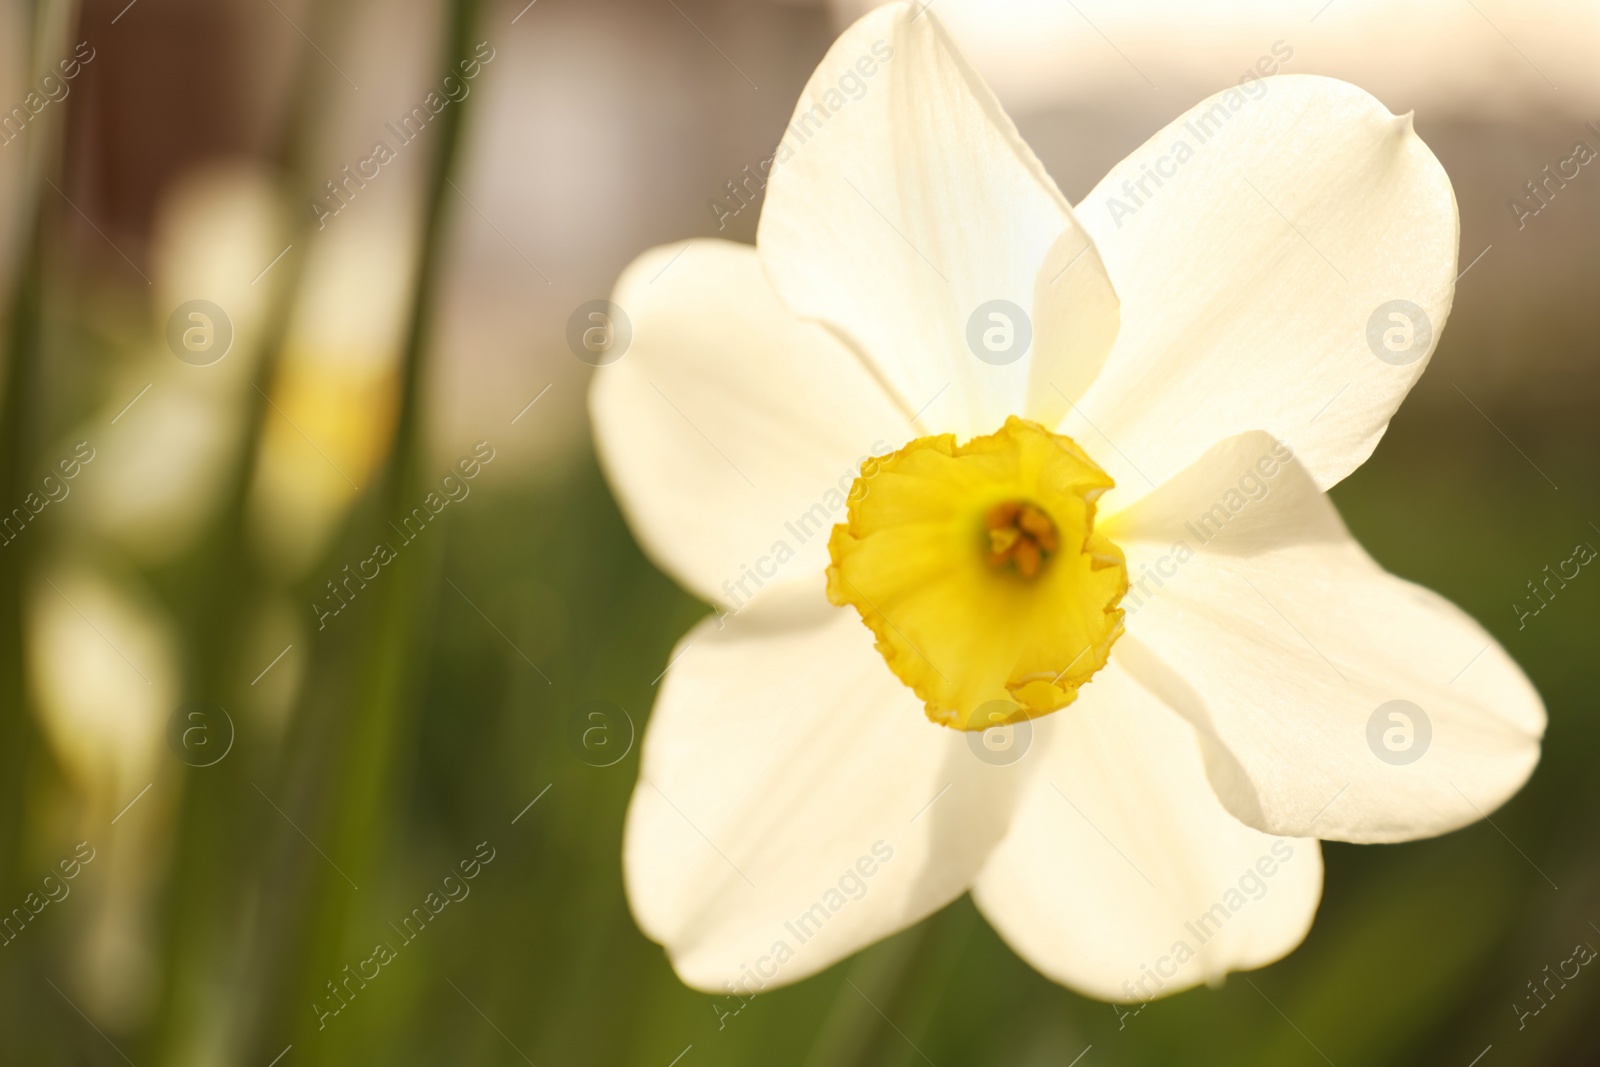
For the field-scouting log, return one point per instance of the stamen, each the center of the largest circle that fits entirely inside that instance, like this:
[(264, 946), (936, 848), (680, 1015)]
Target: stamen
[(1021, 533)]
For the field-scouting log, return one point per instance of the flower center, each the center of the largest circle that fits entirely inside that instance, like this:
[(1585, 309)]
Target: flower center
[(1021, 533), (978, 570)]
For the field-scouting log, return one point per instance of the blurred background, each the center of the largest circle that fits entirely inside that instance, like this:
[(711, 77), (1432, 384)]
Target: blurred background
[(241, 344)]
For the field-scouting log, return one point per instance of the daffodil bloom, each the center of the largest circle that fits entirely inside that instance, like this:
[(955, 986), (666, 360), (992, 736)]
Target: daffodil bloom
[(1014, 516)]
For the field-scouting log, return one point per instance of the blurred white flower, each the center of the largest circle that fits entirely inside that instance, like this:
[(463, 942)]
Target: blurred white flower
[(1479, 59), (164, 459), (336, 391), (104, 671), (103, 666), (1214, 327)]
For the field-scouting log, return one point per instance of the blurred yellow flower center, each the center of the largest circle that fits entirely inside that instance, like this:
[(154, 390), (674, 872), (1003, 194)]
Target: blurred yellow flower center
[(977, 568), (1021, 534)]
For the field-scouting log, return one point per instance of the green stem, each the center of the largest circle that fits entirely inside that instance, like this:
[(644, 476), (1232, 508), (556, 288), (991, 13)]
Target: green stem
[(361, 779), (25, 760), (217, 868)]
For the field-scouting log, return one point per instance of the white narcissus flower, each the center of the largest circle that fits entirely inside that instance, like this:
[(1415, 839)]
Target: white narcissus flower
[(805, 433)]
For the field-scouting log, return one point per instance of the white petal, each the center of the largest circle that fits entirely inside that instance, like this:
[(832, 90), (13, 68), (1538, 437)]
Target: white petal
[(784, 762), (901, 202), (1284, 644), (1120, 853), (1076, 320), (1249, 278), (730, 430)]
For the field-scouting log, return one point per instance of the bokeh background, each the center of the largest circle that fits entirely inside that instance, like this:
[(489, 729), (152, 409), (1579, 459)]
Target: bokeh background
[(248, 789)]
